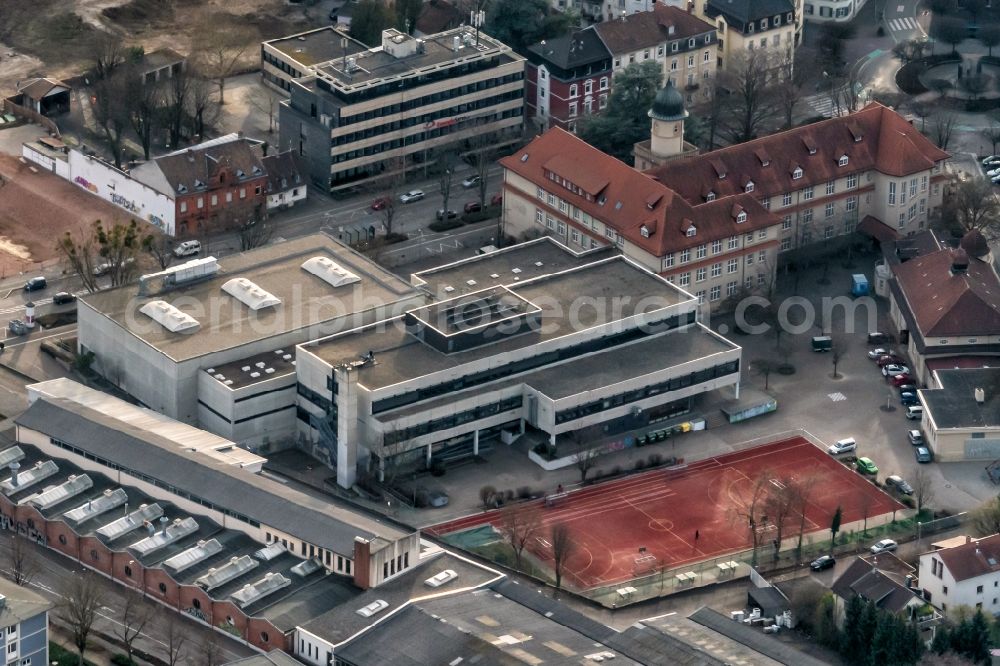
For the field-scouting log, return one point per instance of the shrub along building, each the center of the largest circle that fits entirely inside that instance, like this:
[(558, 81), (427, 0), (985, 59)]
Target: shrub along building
[(716, 223)]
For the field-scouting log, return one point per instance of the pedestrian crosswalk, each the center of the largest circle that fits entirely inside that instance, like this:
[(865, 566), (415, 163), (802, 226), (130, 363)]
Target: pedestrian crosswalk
[(822, 104), (902, 24), (837, 397)]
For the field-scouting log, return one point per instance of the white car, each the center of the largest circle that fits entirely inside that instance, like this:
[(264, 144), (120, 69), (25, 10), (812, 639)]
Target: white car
[(884, 546), (875, 353), (842, 446), (992, 159), (892, 370), (411, 196), (993, 173), (471, 181)]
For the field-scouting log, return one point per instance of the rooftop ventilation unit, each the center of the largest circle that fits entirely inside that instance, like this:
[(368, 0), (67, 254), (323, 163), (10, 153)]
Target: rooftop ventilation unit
[(29, 477), (193, 555), (439, 579), (270, 552), (257, 590), (10, 455), (175, 532), (52, 496), (373, 608), (110, 499), (169, 317), (249, 294), (131, 522), (329, 271), (306, 567), (233, 569)]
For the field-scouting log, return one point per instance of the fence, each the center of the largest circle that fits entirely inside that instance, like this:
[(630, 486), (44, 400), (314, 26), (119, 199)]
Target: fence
[(31, 116)]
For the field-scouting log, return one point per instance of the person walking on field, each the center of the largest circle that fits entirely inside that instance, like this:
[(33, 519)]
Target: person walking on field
[(696, 535)]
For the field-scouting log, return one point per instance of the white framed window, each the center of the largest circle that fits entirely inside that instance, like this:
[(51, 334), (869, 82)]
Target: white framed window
[(701, 251), (851, 204), (807, 215), (717, 246), (762, 234), (761, 279), (777, 21), (609, 232), (550, 199), (229, 195), (668, 260), (710, 196), (763, 24), (540, 193), (715, 293), (902, 220), (786, 222), (700, 274), (749, 259), (732, 265), (674, 46), (749, 238), (573, 90), (828, 231), (734, 242), (691, 60), (184, 206), (685, 256), (684, 279), (692, 230), (829, 210), (563, 206), (588, 87), (766, 202), (200, 203), (673, 65), (561, 228), (731, 288), (701, 297), (786, 243), (923, 184), (842, 161), (762, 255), (852, 181), (892, 193), (923, 205), (708, 38), (706, 56), (717, 269), (797, 173), (572, 109), (749, 186), (604, 83), (748, 282), (807, 193), (912, 213), (550, 223), (691, 43), (539, 216), (618, 62), (659, 50), (786, 199), (741, 218), (602, 101), (831, 187)]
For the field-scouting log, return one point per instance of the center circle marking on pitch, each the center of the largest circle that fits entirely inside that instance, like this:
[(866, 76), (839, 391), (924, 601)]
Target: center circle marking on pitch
[(661, 525)]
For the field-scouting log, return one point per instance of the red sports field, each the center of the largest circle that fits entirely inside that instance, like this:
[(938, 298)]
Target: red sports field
[(661, 511)]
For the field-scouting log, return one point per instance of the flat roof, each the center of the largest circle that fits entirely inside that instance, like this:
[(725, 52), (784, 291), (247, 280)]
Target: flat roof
[(614, 287), (153, 423), (376, 64), (321, 522), (20, 603), (307, 302), (954, 404), (317, 46), (240, 374)]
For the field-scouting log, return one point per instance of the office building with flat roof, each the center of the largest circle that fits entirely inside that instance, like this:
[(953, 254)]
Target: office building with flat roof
[(534, 340), (351, 112)]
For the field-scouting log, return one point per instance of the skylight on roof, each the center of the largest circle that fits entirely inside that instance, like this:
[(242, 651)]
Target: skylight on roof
[(169, 317), (250, 294), (329, 271)]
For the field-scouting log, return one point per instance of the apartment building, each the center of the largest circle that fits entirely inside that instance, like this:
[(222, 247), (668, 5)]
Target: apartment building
[(769, 27), (683, 44), (505, 352), (963, 571), (24, 625), (566, 78), (405, 100), (832, 10), (715, 223), (961, 418)]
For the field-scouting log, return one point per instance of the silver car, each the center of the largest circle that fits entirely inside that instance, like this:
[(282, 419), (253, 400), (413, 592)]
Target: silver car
[(842, 446), (884, 546), (411, 196)]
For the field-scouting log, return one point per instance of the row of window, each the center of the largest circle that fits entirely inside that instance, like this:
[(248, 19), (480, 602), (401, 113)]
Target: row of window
[(531, 363), (732, 266), (903, 190), (588, 87), (732, 287), (214, 199), (627, 397), (700, 252), (452, 420), (765, 23), (392, 567), (674, 47)]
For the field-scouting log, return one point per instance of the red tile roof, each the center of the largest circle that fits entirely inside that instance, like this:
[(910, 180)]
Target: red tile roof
[(877, 229), (643, 30), (631, 199), (973, 559), (875, 137), (946, 304)]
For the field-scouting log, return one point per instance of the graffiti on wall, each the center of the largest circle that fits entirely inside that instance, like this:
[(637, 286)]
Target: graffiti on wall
[(156, 222), (86, 184), (122, 202)]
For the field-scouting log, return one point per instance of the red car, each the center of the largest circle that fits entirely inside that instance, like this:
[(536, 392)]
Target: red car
[(889, 359), (379, 203), (899, 380), (473, 207), (497, 199)]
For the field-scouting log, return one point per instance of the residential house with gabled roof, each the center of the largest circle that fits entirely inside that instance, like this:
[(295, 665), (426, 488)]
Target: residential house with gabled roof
[(286, 179), (566, 78), (883, 580), (963, 574), (772, 28)]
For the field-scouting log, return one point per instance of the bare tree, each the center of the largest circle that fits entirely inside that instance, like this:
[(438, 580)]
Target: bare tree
[(865, 503), (81, 598), (518, 525), (160, 247), (176, 94), (942, 126), (790, 91), (836, 355), (134, 615), (111, 115), (107, 53), (971, 204), (80, 252), (563, 547), (991, 133), (985, 518), (586, 457), (751, 100), (203, 109), (749, 509), (143, 100), (254, 233), (391, 182), (218, 50), (21, 560), (175, 641), (446, 163), (780, 505), (802, 489), (923, 488), (764, 367), (264, 100), (487, 496)]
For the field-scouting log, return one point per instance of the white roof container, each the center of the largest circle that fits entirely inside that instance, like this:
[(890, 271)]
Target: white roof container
[(174, 532), (236, 567), (269, 584), (251, 295), (329, 271), (169, 317), (193, 555), (133, 521), (52, 496), (110, 499)]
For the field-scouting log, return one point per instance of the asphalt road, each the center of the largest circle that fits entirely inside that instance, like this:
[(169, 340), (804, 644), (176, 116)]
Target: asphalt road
[(53, 573)]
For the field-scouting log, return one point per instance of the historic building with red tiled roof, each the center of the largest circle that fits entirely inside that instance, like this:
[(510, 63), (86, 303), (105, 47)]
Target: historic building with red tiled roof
[(715, 223)]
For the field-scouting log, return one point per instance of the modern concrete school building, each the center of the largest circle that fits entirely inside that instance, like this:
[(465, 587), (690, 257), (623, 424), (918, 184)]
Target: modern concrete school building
[(533, 339), (211, 341)]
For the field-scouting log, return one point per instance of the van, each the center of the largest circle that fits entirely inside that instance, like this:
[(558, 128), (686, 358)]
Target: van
[(822, 343), (914, 412), (187, 248)]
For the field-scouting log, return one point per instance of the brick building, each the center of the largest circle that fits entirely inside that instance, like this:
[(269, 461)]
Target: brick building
[(566, 78)]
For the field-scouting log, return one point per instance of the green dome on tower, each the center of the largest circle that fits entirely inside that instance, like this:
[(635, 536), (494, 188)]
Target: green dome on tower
[(668, 104)]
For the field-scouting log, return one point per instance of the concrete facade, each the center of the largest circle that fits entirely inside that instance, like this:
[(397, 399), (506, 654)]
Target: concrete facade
[(24, 626)]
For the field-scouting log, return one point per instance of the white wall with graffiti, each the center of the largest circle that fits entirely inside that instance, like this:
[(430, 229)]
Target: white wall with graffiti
[(117, 187), (59, 167)]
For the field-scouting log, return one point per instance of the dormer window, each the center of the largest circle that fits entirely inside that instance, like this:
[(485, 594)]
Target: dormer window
[(789, 17), (710, 196), (644, 231), (797, 173), (691, 43), (691, 231), (750, 28), (842, 161), (741, 218), (763, 24), (748, 187), (674, 47), (601, 200), (777, 21)]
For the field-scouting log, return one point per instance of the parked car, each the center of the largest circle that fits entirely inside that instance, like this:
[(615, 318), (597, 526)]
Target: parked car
[(992, 158), (867, 466), (899, 483), (451, 214), (496, 199), (105, 268), (877, 353), (916, 437), (842, 446), (993, 173), (876, 338), (17, 327), (995, 180), (822, 562), (411, 196), (893, 369), (36, 284), (915, 412), (437, 498), (888, 359), (907, 388), (923, 454), (473, 207), (380, 203), (63, 297), (901, 380), (471, 182), (187, 248), (907, 398), (884, 546)]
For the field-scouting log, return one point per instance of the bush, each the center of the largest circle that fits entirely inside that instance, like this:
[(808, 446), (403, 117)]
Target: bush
[(655, 459), (437, 468), (640, 464), (524, 492), (484, 214), (615, 471), (122, 660), (395, 238), (445, 225), (509, 495)]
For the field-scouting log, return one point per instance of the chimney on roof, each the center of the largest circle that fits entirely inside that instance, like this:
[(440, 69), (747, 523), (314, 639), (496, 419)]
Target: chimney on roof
[(959, 262), (164, 521), (14, 466), (980, 395)]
